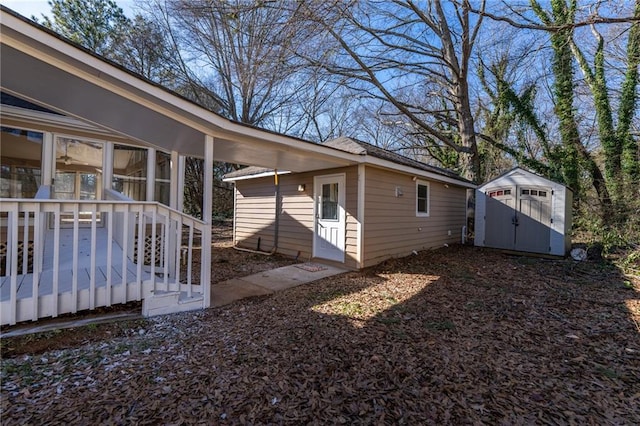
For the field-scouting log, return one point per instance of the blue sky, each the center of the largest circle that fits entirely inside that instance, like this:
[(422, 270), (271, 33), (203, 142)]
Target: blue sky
[(39, 7)]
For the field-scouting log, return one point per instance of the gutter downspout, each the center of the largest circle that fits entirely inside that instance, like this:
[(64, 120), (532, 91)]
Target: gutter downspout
[(276, 223)]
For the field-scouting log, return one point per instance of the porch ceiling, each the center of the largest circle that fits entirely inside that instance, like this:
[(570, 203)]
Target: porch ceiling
[(40, 67)]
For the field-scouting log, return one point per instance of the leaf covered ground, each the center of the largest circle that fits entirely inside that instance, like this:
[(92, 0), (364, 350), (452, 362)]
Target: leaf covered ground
[(459, 335)]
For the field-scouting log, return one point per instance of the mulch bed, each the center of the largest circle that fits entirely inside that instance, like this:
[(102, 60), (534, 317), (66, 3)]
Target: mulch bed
[(455, 336)]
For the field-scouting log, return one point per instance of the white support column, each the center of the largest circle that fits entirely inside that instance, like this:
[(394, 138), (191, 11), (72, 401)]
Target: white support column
[(107, 166), (174, 185), (182, 163), (151, 174), (207, 213), (48, 158), (360, 217), (176, 188)]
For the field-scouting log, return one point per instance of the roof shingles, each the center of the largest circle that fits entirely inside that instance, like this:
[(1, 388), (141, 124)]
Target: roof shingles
[(354, 146)]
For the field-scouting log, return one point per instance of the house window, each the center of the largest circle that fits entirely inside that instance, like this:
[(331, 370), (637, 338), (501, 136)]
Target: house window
[(78, 169), (422, 198), (20, 161), (130, 171), (163, 178)]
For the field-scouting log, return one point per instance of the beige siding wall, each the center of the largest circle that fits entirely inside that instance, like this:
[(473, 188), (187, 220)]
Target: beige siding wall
[(391, 227), (255, 214)]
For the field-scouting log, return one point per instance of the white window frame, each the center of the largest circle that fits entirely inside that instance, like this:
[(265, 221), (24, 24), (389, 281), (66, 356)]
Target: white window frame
[(427, 184)]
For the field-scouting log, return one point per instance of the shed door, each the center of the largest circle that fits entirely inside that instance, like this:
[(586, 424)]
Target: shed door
[(499, 217), (329, 236), (533, 227), (519, 218)]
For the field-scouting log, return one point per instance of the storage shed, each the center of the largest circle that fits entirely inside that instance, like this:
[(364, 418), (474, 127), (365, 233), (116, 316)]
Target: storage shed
[(523, 211)]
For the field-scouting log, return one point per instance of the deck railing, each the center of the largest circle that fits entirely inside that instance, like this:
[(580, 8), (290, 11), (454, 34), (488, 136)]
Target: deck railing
[(136, 248)]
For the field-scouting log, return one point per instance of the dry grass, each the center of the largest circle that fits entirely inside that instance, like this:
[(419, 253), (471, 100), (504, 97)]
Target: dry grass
[(454, 336)]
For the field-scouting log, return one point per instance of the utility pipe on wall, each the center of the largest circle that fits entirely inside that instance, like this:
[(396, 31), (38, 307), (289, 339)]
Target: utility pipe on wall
[(277, 213)]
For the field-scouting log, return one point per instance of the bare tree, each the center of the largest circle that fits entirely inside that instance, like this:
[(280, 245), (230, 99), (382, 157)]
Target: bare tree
[(142, 47), (414, 55), (235, 55)]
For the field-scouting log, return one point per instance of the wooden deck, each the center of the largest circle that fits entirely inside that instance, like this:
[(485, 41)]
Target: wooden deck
[(134, 289), (65, 274), (65, 277)]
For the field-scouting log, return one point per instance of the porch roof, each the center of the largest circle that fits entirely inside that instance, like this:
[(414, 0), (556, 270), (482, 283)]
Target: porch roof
[(50, 71)]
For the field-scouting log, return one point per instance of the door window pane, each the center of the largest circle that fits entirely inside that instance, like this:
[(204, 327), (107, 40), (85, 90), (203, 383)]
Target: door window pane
[(329, 201)]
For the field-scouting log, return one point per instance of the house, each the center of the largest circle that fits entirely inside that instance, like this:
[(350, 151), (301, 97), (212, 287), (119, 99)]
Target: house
[(522, 211), (92, 166), (359, 215)]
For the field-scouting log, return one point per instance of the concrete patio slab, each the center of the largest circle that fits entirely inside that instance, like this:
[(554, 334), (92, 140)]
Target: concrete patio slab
[(268, 282), (291, 276)]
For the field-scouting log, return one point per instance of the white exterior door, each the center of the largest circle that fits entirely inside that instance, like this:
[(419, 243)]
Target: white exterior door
[(329, 236)]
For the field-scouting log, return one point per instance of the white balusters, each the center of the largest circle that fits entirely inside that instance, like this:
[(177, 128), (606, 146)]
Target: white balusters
[(70, 264)]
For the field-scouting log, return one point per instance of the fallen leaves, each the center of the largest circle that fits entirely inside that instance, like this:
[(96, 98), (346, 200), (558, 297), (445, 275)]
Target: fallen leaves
[(454, 336)]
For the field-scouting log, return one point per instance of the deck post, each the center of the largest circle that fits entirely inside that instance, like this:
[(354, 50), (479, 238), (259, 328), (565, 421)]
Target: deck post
[(140, 251), (38, 236), (48, 159), (207, 213), (151, 174), (93, 272), (181, 166), (56, 260), (174, 187), (109, 252), (107, 167), (76, 242), (12, 254)]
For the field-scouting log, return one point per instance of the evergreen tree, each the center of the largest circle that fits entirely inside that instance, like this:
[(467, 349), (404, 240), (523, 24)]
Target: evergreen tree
[(94, 24)]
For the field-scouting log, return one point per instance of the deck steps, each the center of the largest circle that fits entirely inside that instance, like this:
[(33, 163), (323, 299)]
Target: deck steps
[(169, 302)]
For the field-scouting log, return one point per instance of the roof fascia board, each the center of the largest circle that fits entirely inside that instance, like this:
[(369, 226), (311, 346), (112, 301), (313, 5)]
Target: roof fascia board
[(386, 164), (256, 176)]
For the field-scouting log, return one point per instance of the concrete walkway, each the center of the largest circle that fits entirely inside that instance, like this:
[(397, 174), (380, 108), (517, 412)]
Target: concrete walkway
[(269, 282)]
